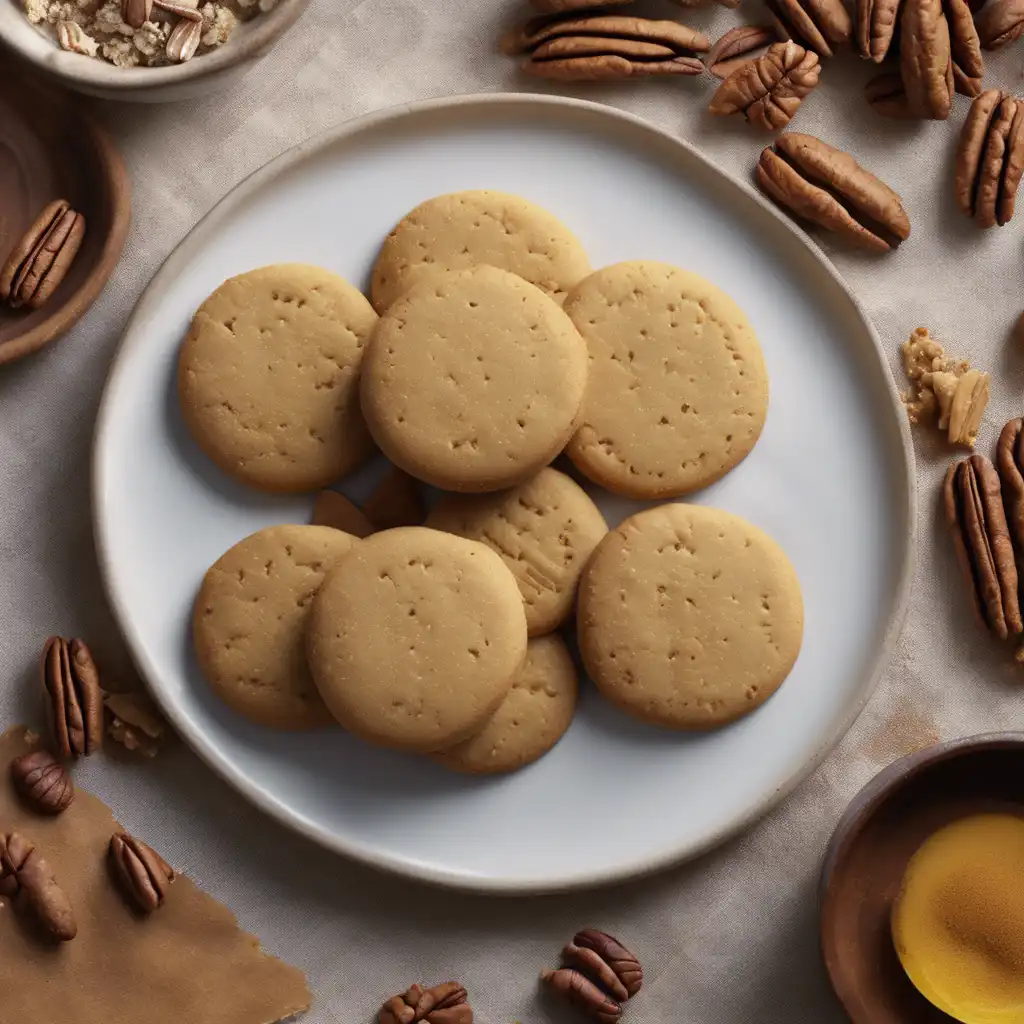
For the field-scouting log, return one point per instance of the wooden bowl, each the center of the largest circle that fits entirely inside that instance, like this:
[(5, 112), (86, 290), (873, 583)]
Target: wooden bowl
[(878, 834), (51, 149)]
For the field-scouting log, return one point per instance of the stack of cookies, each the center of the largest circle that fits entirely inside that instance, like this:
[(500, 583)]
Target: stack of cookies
[(487, 350)]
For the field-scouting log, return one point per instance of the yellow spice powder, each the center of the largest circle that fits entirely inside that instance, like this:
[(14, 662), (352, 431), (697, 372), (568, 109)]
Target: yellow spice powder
[(958, 922)]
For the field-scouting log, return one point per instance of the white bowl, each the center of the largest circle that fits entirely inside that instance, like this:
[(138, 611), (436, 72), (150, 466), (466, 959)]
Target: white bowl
[(202, 75)]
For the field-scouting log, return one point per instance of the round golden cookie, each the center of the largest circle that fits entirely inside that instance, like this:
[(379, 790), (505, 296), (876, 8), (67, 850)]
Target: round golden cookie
[(678, 389), (415, 638), (533, 717), (249, 623), (473, 382), (544, 530), (689, 617), (268, 377), (465, 229)]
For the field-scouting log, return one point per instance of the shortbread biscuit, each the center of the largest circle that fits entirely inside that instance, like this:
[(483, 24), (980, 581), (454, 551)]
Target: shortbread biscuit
[(249, 623), (530, 720), (689, 617), (473, 382), (415, 638), (268, 377), (545, 530), (678, 390), (465, 229)]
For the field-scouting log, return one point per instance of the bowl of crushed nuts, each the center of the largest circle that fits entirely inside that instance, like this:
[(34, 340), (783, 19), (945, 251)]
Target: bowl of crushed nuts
[(145, 50)]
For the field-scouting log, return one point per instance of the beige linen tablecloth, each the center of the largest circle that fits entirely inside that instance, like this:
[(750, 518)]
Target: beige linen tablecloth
[(731, 938)]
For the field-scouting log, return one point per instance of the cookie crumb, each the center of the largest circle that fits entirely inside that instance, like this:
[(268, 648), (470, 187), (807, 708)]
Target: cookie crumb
[(134, 722)]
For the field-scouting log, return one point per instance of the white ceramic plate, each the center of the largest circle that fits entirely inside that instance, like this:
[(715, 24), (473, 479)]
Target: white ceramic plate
[(831, 480)]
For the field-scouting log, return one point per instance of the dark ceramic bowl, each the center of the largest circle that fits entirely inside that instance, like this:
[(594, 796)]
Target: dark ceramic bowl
[(51, 149), (881, 830)]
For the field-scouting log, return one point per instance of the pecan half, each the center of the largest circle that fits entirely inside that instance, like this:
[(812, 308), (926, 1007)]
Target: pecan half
[(925, 59), (578, 989), (974, 513), (768, 91), (965, 48), (828, 187), (75, 700), (738, 46), (143, 874), (1010, 463), (818, 25), (1000, 22), (395, 501), (43, 257), (136, 12), (990, 158), (886, 96), (442, 1004), (42, 783), (616, 967), (184, 40), (26, 876), (603, 47), (875, 27)]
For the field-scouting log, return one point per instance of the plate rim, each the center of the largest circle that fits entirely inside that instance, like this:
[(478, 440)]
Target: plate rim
[(396, 864)]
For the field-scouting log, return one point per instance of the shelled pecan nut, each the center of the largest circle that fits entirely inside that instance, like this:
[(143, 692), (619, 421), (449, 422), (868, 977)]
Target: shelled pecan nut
[(144, 876), (43, 257), (74, 697), (818, 25), (26, 876), (965, 48), (42, 783), (598, 974), (768, 91), (887, 96), (442, 1004), (974, 513), (926, 59), (184, 40), (1000, 22), (603, 47), (828, 187), (1010, 464), (990, 158), (739, 46), (875, 27), (136, 12)]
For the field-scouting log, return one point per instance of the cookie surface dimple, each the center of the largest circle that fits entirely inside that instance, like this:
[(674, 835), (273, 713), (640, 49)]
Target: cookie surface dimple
[(678, 389), (415, 638), (473, 383), (249, 623), (533, 717), (268, 377), (689, 617), (466, 229), (544, 530)]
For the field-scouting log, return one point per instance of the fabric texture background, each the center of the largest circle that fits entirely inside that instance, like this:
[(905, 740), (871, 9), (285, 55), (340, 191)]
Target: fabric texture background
[(730, 939)]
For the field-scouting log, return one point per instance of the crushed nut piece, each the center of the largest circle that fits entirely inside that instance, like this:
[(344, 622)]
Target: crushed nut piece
[(134, 722), (945, 392)]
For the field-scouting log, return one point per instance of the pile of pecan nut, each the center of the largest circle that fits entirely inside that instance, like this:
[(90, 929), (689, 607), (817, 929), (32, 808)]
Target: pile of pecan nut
[(928, 50), (74, 703)]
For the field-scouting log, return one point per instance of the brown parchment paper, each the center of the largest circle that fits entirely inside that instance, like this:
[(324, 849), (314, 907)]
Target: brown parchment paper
[(187, 963)]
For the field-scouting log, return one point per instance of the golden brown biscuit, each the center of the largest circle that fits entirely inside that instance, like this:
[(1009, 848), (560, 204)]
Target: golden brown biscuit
[(473, 383), (465, 229), (415, 639), (678, 389), (249, 623), (268, 377), (545, 530), (689, 617), (530, 720)]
